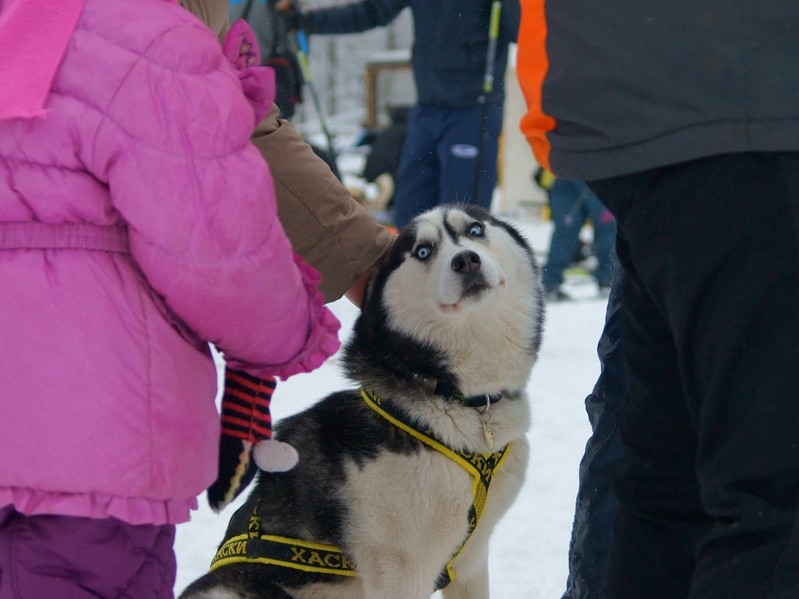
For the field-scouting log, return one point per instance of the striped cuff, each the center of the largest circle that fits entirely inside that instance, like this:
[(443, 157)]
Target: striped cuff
[(245, 406)]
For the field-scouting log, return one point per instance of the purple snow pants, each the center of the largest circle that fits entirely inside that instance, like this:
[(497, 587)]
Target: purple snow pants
[(61, 557)]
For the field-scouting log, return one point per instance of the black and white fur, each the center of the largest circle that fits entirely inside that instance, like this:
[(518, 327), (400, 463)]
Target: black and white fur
[(456, 304)]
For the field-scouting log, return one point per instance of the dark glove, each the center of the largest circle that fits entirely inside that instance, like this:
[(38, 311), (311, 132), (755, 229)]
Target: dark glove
[(246, 442), (292, 14)]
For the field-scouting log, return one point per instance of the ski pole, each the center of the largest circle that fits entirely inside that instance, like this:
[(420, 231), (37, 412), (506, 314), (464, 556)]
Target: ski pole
[(305, 69), (488, 88)]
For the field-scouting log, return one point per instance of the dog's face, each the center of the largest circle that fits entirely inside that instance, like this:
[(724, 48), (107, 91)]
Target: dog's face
[(452, 261), (457, 264), (457, 285)]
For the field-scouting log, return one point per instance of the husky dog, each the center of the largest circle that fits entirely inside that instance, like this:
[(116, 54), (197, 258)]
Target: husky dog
[(401, 481)]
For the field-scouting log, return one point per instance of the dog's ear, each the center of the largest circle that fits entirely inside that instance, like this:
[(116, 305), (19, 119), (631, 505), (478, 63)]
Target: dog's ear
[(370, 283), (367, 292), (388, 261)]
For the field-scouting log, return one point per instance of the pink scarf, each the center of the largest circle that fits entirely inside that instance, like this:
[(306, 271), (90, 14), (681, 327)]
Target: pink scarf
[(33, 38)]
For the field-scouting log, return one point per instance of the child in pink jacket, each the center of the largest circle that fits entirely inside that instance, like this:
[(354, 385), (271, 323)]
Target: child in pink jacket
[(134, 230)]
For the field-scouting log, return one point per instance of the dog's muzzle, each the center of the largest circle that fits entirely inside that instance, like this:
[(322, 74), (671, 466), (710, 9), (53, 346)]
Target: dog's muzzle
[(469, 266)]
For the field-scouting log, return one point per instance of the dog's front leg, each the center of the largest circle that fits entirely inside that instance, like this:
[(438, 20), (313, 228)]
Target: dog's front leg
[(395, 578), (473, 587)]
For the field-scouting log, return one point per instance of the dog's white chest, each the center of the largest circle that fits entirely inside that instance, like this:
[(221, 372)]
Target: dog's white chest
[(405, 502)]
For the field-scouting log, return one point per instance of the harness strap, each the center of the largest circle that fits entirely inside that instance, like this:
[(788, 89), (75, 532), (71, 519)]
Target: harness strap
[(31, 235), (482, 467), (273, 550)]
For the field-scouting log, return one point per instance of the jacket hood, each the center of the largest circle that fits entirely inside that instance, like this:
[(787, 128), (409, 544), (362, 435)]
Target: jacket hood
[(211, 12)]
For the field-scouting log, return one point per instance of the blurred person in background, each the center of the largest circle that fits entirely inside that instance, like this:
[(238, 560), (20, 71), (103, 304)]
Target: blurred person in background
[(571, 205), (451, 145)]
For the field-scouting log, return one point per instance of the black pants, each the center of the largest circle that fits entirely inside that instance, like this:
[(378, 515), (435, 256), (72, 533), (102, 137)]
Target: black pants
[(709, 481), (596, 507)]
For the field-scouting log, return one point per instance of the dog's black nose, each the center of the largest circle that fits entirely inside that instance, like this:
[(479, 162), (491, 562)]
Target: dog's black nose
[(466, 262)]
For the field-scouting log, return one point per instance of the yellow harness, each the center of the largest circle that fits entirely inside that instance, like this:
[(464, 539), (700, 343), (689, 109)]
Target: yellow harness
[(254, 547)]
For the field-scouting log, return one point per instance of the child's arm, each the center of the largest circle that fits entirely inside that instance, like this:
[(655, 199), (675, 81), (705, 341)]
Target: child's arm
[(199, 204)]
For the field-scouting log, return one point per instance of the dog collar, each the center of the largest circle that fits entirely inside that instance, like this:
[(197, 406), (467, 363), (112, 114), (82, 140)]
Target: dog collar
[(449, 391), (482, 403), (471, 401)]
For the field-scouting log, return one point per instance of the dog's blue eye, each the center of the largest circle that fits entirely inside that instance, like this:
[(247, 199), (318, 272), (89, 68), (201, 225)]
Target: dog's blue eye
[(476, 230), (423, 252)]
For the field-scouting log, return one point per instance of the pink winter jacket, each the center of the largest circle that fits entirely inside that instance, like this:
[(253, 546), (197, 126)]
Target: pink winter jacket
[(134, 228)]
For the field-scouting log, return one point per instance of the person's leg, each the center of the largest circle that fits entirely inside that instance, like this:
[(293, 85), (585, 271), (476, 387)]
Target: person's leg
[(418, 172), (83, 558), (660, 518), (713, 249), (604, 227), (459, 152), (596, 506), (660, 514), (568, 217), (748, 459)]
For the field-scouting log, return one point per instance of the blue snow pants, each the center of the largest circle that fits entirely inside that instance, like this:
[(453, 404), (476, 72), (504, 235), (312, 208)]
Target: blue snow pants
[(596, 506), (571, 204), (441, 155)]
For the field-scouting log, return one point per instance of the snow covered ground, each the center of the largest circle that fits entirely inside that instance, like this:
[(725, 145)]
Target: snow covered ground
[(529, 547)]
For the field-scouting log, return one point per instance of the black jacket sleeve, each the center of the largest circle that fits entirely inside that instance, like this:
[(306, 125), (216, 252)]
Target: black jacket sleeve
[(511, 16), (355, 17)]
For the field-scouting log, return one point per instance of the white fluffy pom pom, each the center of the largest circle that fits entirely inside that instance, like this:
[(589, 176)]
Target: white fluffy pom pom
[(272, 455)]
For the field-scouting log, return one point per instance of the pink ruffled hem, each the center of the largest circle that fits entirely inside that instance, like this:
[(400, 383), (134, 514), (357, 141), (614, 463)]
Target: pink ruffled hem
[(98, 505), (323, 340)]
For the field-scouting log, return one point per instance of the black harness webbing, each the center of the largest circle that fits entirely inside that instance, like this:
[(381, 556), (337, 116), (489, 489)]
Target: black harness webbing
[(282, 551)]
